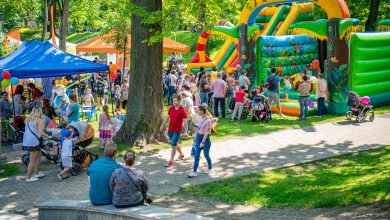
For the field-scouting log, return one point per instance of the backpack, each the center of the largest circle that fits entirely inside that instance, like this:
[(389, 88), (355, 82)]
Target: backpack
[(271, 83), (167, 80)]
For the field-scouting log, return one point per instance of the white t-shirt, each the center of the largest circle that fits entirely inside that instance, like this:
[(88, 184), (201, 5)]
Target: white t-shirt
[(67, 146), (60, 90), (173, 79), (88, 99), (182, 66)]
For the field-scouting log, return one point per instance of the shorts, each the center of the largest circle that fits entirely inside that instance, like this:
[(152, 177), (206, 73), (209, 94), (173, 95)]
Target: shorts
[(31, 149), (273, 96), (174, 138), (66, 161)]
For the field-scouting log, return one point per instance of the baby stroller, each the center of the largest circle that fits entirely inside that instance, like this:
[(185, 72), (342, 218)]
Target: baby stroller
[(360, 107), (49, 149), (261, 109), (82, 158), (17, 127)]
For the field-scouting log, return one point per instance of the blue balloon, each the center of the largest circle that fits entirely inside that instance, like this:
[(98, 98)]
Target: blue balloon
[(14, 81)]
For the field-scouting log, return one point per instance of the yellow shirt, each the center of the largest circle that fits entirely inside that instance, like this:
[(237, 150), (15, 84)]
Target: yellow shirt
[(213, 76)]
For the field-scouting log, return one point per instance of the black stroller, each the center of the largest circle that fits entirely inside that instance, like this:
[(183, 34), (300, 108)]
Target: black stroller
[(82, 158), (360, 107), (261, 109)]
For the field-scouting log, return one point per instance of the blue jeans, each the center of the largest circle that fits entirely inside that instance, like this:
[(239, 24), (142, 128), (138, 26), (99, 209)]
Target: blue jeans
[(221, 103), (206, 151), (303, 105), (204, 97), (171, 92), (174, 138), (321, 106)]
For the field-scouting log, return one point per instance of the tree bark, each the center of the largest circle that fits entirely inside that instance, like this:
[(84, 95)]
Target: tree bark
[(373, 15), (45, 20), (144, 107), (64, 12)]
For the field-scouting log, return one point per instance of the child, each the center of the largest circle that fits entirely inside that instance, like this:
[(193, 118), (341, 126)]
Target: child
[(105, 128), (117, 94), (66, 155), (22, 107), (287, 86), (105, 97), (62, 109), (88, 98), (239, 106)]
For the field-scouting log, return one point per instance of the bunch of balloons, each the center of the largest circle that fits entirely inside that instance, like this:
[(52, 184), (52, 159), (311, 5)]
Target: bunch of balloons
[(8, 80)]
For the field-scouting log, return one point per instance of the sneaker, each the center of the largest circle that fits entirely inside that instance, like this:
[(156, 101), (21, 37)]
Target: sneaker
[(39, 175), (189, 171), (32, 179), (102, 147), (169, 164), (208, 171), (192, 174), (59, 176), (283, 116), (181, 157)]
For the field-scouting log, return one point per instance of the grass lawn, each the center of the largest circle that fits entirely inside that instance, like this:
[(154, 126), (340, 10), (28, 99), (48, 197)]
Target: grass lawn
[(359, 178), (9, 170)]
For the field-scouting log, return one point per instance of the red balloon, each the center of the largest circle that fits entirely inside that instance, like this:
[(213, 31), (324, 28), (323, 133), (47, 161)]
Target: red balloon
[(113, 75), (6, 75)]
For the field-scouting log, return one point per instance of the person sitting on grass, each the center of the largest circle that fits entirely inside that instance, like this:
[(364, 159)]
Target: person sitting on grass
[(304, 98), (239, 106), (66, 155), (99, 175)]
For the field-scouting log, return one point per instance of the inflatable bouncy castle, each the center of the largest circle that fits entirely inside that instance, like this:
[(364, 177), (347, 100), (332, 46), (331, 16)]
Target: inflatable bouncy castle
[(284, 35)]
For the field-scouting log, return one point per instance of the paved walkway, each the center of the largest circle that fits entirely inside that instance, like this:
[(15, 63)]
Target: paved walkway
[(233, 157)]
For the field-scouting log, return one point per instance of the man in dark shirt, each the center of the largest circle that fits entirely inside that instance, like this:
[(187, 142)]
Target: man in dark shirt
[(237, 72), (204, 89)]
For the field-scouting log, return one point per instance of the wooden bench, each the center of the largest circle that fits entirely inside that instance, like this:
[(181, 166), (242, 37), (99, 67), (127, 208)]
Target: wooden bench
[(84, 210)]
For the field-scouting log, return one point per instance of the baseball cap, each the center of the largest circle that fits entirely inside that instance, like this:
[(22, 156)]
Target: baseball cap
[(67, 133)]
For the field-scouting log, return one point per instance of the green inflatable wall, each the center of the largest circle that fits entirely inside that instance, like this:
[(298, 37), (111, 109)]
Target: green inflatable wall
[(370, 66)]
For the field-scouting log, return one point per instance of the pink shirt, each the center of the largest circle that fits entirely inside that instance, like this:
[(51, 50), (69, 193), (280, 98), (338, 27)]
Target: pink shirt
[(219, 88), (204, 125)]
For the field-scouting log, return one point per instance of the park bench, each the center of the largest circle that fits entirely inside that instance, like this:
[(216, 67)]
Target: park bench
[(84, 210)]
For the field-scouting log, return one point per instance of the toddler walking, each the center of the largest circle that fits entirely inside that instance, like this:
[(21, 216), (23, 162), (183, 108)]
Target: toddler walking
[(66, 155)]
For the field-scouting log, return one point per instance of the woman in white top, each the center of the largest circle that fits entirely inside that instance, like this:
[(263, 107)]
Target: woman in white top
[(58, 93), (31, 142)]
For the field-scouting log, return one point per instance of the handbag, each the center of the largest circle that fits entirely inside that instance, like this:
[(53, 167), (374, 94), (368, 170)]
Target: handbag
[(144, 196), (39, 139)]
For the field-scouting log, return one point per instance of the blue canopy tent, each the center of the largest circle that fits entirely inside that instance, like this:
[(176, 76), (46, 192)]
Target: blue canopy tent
[(40, 60)]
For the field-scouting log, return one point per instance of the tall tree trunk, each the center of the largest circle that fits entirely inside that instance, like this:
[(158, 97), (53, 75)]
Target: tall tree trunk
[(144, 107), (373, 15), (64, 11), (45, 20)]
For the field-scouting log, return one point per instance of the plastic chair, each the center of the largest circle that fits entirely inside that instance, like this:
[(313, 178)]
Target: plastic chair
[(90, 111)]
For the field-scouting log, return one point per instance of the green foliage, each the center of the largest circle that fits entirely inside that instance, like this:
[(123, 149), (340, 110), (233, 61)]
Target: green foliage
[(359, 178), (9, 170)]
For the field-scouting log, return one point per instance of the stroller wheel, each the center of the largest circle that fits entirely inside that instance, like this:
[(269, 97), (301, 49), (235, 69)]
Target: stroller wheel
[(56, 159), (349, 115), (76, 169), (371, 118), (26, 159), (360, 118)]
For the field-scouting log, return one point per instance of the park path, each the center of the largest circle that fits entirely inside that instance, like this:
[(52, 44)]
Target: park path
[(231, 158)]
